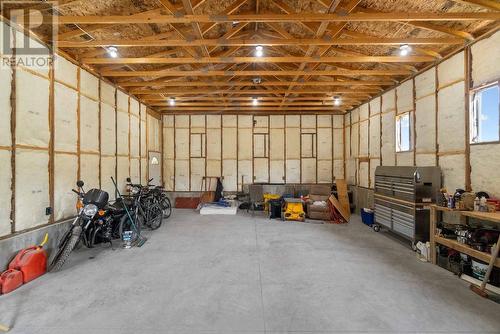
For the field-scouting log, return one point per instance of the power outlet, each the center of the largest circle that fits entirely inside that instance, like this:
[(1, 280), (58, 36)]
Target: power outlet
[(48, 211)]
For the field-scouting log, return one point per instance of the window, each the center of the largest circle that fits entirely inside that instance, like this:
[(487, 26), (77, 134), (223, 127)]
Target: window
[(485, 114), (403, 138)]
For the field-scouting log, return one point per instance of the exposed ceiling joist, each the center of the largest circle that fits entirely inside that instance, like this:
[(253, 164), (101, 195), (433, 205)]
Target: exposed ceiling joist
[(317, 17)]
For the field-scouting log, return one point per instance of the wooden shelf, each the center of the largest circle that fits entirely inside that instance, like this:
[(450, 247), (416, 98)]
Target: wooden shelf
[(489, 216), (462, 248)]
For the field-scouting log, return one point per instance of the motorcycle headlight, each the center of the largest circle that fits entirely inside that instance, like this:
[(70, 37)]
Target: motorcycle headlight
[(134, 190), (90, 210)]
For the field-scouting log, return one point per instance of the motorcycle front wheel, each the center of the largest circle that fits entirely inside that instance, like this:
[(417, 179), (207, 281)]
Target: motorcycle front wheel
[(65, 250)]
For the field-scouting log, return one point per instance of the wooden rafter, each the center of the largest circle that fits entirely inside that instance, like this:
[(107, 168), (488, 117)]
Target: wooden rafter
[(354, 17)]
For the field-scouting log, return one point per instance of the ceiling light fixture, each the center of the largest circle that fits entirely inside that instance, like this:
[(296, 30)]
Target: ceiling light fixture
[(337, 101), (113, 52), (171, 101), (255, 101), (404, 50), (259, 51)]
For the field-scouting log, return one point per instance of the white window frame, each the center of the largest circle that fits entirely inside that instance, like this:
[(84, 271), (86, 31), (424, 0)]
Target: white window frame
[(474, 114), (398, 132)]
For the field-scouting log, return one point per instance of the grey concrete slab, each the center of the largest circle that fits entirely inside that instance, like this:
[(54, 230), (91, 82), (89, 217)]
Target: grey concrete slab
[(247, 274)]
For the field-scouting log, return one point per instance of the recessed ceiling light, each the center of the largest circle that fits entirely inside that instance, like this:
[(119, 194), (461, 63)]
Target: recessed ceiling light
[(113, 52), (404, 50), (337, 100), (259, 51), (171, 101), (255, 101)]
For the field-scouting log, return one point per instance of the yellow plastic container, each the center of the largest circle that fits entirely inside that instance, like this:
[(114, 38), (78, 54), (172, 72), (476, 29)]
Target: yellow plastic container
[(293, 209), (268, 197)]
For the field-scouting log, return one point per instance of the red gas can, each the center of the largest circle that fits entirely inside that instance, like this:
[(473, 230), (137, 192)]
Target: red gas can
[(31, 261), (10, 279)]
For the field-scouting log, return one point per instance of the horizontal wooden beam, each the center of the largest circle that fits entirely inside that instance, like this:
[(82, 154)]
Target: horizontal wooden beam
[(240, 60), (216, 111), (223, 108), (254, 91), (227, 99), (209, 73), (216, 73), (260, 41), (248, 104), (310, 17), (268, 84)]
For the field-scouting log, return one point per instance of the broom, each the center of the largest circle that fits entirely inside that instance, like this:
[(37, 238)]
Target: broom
[(140, 239), (481, 290)]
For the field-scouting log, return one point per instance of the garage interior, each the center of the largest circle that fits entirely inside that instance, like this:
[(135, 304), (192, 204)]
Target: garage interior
[(332, 166)]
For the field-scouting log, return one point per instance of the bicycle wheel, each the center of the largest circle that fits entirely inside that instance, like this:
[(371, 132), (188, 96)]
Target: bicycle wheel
[(166, 206), (155, 215)]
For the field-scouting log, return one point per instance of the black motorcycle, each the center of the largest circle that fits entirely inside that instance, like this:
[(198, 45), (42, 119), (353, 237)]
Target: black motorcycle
[(96, 222)]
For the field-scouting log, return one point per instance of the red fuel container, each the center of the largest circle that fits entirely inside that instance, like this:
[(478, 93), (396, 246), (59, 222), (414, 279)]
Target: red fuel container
[(10, 279), (31, 261)]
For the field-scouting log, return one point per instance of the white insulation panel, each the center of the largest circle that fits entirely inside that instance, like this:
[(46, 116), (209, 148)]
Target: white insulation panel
[(65, 170), (404, 159), (453, 170), (169, 174), (108, 130), (229, 172), (277, 147), (65, 105), (32, 188), (214, 121), (338, 169), (375, 106), (374, 163), (451, 118), (65, 71), (374, 136), (324, 121), (134, 107), (122, 124), (363, 138), (182, 175), (245, 172), (338, 143), (107, 170), (135, 174), (485, 60), (388, 137), (277, 171), (5, 192), (364, 174), (389, 101), (485, 172), (32, 110), (89, 170), (197, 172), (324, 171), (89, 125), (245, 144), (451, 70), (425, 159), (364, 112), (229, 140), (405, 96), (308, 167), (425, 83), (425, 124), (107, 93), (89, 85), (5, 107), (134, 136), (324, 143), (292, 171), (121, 101), (292, 138), (308, 121), (122, 169), (338, 121)]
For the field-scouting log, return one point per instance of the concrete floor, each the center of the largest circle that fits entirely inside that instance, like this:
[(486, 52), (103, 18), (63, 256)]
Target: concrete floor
[(243, 274)]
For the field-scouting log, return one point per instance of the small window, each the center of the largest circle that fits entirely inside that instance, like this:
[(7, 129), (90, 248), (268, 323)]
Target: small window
[(485, 114), (403, 138)]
